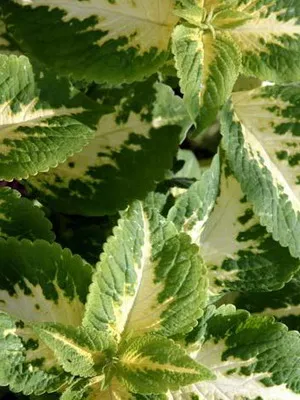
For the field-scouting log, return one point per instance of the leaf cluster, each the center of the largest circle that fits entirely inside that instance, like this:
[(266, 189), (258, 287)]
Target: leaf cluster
[(129, 269)]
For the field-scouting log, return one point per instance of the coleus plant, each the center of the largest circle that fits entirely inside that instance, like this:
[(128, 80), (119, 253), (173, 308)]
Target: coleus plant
[(194, 291)]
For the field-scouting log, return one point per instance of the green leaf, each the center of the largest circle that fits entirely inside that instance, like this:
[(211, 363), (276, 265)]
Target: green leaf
[(208, 66), (190, 10), (192, 209), (169, 109), (219, 5), (21, 219), (246, 83), (131, 152), (42, 282), (191, 168), (197, 335), (261, 140), (230, 18), (252, 357), (103, 41), (39, 128), (240, 254), (26, 364), (80, 351), (39, 282), (270, 41), (149, 278), (149, 396), (186, 169), (283, 304), (93, 389), (194, 8), (154, 364)]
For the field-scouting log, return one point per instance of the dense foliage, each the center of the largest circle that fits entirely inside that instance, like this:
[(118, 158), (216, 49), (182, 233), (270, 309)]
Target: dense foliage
[(130, 269)]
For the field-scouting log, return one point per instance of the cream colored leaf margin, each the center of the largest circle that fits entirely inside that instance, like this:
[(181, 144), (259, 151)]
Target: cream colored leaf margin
[(261, 139), (148, 23), (230, 385), (118, 41), (139, 272)]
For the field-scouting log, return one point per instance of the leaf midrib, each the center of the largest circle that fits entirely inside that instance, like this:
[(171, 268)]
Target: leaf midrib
[(145, 261)]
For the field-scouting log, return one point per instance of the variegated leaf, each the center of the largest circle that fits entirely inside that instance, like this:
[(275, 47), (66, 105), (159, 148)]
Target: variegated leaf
[(262, 36), (27, 365), (39, 282), (261, 138), (239, 253), (170, 110), (192, 209), (230, 18), (134, 146), (252, 358), (217, 5), (191, 168), (208, 66), (190, 10), (270, 41), (97, 40), (39, 128), (154, 364), (197, 11), (93, 389), (186, 169), (149, 278), (20, 218), (283, 304), (80, 351)]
